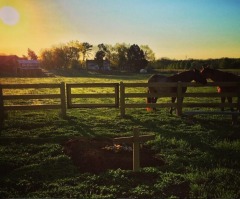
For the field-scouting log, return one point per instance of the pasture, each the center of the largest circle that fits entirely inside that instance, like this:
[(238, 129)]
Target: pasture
[(201, 153)]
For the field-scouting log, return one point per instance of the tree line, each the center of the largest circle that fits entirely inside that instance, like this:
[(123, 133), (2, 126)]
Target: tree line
[(73, 55), (221, 63), (122, 56)]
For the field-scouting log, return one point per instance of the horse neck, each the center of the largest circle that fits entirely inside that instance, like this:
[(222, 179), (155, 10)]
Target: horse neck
[(217, 76), (186, 76)]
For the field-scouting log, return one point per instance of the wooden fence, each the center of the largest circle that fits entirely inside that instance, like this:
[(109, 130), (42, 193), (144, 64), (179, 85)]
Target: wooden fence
[(113, 95), (120, 96), (26, 97), (179, 105)]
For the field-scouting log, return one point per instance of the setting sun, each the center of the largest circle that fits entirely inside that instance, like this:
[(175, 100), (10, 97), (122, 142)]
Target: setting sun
[(9, 15), (178, 30)]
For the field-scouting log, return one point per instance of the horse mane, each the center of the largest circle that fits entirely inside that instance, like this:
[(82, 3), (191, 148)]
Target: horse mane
[(219, 75), (156, 78), (183, 76)]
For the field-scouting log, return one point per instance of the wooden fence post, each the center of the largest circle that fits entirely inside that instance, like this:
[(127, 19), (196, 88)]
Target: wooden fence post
[(238, 105), (136, 150), (117, 95), (179, 99), (1, 107), (238, 98), (63, 100), (122, 99), (68, 91), (135, 140)]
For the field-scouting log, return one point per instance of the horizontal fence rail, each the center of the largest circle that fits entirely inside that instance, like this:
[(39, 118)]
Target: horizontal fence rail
[(61, 96), (114, 95), (119, 95), (179, 105)]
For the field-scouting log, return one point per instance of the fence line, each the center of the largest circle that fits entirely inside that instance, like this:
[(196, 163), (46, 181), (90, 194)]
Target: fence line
[(61, 96), (120, 95), (1, 107), (114, 95), (179, 105)]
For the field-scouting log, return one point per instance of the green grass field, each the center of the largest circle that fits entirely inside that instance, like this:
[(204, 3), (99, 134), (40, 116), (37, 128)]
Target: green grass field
[(202, 154)]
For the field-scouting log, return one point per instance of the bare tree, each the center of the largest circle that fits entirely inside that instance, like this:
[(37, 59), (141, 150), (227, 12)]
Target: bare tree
[(32, 55)]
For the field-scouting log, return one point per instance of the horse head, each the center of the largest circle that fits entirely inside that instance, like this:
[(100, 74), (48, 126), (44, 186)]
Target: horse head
[(207, 72), (151, 100), (198, 77)]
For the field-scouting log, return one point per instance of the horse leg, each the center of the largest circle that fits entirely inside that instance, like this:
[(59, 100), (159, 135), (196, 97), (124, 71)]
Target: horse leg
[(230, 102), (238, 109), (238, 104), (154, 100), (223, 101), (173, 101), (151, 99), (234, 116)]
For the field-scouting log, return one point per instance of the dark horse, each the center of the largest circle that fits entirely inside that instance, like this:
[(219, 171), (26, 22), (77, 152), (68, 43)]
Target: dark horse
[(186, 76), (220, 76)]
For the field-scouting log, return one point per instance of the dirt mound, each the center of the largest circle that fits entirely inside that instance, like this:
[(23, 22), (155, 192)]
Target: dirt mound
[(90, 155)]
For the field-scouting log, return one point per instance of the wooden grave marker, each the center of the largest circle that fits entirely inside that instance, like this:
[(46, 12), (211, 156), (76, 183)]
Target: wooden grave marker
[(136, 139)]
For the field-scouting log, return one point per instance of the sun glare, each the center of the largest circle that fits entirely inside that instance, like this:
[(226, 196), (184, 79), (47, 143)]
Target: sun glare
[(9, 15)]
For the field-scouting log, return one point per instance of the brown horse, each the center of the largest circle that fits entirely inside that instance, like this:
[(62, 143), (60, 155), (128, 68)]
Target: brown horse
[(186, 76), (220, 76)]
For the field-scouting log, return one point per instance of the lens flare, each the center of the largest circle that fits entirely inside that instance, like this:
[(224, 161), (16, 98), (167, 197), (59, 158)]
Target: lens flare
[(9, 15)]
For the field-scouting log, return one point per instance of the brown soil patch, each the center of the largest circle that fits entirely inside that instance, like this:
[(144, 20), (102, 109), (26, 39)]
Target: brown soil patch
[(89, 156)]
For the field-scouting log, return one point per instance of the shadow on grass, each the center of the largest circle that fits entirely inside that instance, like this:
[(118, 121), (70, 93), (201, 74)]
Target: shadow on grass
[(193, 141), (42, 130)]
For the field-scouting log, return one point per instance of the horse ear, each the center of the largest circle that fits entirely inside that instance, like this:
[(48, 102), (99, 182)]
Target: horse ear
[(195, 70)]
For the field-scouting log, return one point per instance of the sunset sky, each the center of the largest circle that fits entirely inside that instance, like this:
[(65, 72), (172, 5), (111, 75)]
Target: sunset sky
[(179, 29)]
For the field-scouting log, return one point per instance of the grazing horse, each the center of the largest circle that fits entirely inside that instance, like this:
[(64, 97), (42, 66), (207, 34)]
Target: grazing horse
[(220, 76), (186, 76)]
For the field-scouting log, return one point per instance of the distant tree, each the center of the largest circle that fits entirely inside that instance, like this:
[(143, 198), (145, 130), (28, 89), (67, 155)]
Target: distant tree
[(149, 54), (121, 55), (24, 57), (187, 64), (197, 63), (225, 63), (103, 47), (86, 50), (62, 55), (59, 57), (136, 58), (73, 53), (75, 47), (100, 55), (46, 57), (162, 63), (32, 55), (235, 63), (109, 52)]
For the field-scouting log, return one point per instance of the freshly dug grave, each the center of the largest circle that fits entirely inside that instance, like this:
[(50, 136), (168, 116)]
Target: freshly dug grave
[(96, 155)]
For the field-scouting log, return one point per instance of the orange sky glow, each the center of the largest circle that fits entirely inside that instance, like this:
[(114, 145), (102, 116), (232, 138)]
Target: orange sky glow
[(190, 29)]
